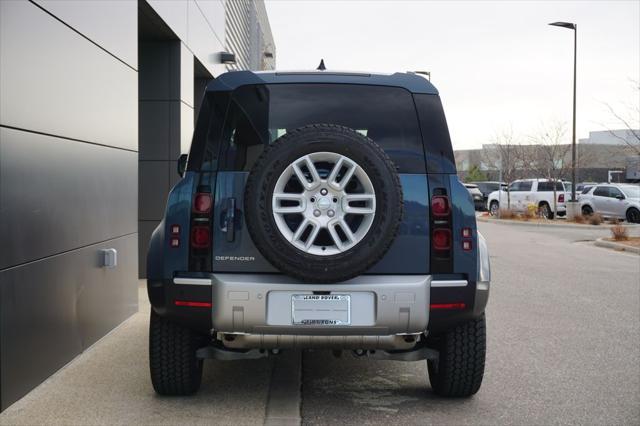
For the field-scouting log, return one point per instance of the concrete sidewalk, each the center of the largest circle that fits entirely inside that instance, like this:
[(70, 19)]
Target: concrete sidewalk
[(110, 384)]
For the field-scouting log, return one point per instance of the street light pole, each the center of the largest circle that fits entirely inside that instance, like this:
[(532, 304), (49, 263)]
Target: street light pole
[(574, 27)]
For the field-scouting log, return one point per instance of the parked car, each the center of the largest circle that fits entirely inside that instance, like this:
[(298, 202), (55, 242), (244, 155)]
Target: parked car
[(580, 188), (618, 201), (285, 233), (488, 187), (476, 196), (526, 192)]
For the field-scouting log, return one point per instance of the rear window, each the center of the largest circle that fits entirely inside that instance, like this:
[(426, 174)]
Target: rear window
[(259, 114), (548, 186)]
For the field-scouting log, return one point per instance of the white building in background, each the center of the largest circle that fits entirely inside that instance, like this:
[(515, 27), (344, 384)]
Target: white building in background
[(613, 137)]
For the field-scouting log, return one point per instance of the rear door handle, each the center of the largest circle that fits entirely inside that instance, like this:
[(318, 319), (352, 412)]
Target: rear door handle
[(230, 219)]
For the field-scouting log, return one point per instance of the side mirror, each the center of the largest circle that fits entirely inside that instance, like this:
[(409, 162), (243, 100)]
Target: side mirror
[(182, 164), (620, 197)]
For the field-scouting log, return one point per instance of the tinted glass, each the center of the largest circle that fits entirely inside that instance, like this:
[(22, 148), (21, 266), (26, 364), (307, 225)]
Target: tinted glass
[(525, 186), (586, 189), (614, 192), (260, 114), (520, 186), (548, 186), (601, 191), (435, 134)]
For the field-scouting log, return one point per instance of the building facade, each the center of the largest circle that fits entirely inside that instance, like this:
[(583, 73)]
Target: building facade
[(97, 101), (601, 153)]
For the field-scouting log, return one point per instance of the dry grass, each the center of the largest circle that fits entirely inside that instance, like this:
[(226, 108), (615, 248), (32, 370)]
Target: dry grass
[(579, 219), (507, 214), (595, 219), (619, 233)]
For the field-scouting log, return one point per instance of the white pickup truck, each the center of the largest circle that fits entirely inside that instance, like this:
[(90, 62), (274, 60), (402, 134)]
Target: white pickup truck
[(526, 192)]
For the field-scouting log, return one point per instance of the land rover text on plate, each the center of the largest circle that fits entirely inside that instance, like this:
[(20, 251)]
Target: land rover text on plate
[(319, 210)]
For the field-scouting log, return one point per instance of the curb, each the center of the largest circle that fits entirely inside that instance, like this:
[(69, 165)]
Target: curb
[(617, 246), (551, 225)]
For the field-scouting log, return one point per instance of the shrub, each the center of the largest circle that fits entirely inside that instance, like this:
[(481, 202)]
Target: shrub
[(530, 212), (579, 218), (619, 233), (507, 214), (595, 219)]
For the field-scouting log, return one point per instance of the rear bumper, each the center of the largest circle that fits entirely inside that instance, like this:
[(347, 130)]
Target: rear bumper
[(381, 305)]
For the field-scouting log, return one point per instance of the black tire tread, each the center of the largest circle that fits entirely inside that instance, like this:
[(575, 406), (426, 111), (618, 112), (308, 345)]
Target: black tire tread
[(175, 370), (461, 364)]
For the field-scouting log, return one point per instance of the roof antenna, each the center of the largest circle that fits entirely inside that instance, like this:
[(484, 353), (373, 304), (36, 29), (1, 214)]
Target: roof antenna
[(321, 67)]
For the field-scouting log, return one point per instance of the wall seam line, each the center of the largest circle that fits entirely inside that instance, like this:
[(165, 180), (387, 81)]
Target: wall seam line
[(80, 34), (65, 252), (4, 126)]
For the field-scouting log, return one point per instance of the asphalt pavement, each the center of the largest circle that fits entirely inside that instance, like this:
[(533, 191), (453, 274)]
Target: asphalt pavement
[(563, 348)]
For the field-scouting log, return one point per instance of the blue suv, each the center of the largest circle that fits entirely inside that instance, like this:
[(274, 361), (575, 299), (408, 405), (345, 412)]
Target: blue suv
[(319, 210)]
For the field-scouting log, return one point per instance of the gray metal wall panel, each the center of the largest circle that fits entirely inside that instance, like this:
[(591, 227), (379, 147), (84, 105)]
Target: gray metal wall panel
[(113, 25), (159, 70), (200, 35), (57, 195), (153, 189), (213, 11), (55, 81), (53, 309)]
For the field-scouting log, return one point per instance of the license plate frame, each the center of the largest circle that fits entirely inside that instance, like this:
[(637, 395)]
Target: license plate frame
[(321, 309)]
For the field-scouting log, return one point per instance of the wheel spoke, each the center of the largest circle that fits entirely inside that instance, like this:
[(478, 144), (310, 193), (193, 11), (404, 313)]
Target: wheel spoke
[(313, 172), (347, 231), (279, 197), (331, 180), (351, 169), (335, 237), (368, 209), (312, 235)]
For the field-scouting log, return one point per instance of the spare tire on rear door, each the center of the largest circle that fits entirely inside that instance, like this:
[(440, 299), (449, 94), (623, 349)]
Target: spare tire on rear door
[(323, 203)]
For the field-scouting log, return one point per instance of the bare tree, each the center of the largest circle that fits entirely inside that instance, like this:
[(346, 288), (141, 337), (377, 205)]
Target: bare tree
[(630, 119), (505, 155), (550, 154)]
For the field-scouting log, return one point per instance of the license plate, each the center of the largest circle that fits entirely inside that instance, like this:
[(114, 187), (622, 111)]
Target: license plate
[(321, 309)]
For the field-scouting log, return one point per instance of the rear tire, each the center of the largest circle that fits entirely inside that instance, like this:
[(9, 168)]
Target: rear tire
[(459, 369), (494, 208), (545, 211), (175, 370), (633, 215)]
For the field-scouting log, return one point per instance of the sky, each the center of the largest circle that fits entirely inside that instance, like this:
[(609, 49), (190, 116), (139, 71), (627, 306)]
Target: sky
[(496, 64)]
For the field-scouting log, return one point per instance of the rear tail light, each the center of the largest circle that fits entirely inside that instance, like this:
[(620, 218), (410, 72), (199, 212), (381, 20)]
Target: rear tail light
[(200, 237), (441, 239), (561, 198), (192, 304), (440, 205), (447, 306), (202, 202)]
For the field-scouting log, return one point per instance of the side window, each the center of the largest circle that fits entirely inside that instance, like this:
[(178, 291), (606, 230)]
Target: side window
[(515, 186), (615, 192), (586, 189), (525, 186), (601, 191), (435, 134), (545, 187), (548, 186)]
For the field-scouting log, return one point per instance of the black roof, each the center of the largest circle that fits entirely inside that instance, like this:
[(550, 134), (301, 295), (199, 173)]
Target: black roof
[(234, 79)]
